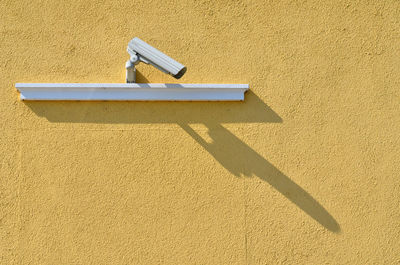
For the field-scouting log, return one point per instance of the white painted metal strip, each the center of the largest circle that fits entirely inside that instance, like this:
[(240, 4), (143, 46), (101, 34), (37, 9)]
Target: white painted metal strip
[(132, 91)]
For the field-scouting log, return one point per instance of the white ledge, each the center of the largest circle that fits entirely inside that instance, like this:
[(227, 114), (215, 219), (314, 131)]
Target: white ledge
[(132, 91)]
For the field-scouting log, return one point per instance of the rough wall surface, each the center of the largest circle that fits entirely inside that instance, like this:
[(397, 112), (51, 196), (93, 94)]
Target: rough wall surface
[(305, 171)]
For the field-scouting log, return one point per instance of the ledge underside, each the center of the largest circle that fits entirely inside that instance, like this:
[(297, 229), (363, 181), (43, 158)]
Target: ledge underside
[(133, 91)]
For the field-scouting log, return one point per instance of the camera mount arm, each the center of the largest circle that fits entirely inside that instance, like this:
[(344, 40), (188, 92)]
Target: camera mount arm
[(130, 66)]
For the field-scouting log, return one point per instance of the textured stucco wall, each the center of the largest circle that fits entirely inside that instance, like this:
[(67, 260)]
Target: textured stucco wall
[(306, 170)]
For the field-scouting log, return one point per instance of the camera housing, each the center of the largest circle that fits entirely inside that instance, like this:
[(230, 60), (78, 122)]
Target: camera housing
[(140, 51)]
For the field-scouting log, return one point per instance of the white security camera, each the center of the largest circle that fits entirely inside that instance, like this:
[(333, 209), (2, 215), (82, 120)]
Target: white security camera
[(140, 51)]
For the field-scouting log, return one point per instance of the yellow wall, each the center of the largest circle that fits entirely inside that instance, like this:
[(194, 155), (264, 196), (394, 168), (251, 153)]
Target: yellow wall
[(306, 170)]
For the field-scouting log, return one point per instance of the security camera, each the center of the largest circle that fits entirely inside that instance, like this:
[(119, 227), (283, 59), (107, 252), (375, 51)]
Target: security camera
[(140, 51)]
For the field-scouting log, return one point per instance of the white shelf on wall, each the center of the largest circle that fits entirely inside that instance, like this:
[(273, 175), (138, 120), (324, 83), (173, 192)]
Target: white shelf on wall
[(131, 91)]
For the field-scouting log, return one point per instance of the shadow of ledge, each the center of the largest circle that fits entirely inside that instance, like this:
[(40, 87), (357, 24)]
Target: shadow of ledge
[(252, 110)]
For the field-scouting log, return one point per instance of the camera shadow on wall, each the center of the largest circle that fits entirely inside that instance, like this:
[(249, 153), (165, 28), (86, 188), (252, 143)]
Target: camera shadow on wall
[(231, 152)]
